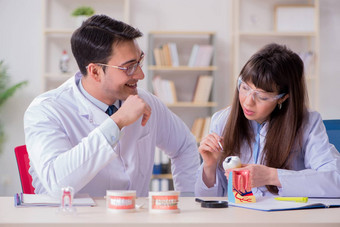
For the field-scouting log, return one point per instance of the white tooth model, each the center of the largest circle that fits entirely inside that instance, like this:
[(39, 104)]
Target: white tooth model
[(231, 162)]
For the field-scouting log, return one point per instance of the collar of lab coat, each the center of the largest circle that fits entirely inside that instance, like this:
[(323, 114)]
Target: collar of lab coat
[(85, 107)]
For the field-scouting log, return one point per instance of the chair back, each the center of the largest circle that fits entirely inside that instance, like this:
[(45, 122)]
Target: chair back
[(333, 132), (23, 162)]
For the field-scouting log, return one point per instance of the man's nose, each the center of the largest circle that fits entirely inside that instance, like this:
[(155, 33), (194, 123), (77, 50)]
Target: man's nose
[(139, 74)]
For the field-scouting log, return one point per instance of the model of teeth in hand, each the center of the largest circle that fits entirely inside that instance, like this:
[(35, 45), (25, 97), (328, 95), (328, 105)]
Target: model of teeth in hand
[(231, 162), (239, 182)]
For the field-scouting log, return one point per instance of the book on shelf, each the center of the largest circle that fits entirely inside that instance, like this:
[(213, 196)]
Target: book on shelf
[(201, 55), (157, 168), (200, 127), (193, 55), (161, 162), (174, 54), (165, 90), (166, 55), (157, 56), (161, 185), (203, 88), (165, 163)]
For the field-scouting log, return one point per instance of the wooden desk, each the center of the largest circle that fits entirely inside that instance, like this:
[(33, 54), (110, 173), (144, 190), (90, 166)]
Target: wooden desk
[(191, 215)]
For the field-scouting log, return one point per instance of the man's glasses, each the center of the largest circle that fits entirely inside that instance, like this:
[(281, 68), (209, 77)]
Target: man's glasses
[(129, 70), (258, 96)]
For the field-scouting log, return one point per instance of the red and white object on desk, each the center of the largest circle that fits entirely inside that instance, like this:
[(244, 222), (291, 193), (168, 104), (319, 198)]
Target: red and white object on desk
[(120, 201), (163, 202), (239, 182)]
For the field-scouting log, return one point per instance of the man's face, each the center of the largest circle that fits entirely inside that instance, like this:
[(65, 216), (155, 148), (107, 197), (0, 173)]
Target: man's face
[(115, 83)]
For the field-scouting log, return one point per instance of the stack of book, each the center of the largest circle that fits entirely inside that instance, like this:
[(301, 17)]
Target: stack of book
[(164, 89), (166, 55), (161, 163), (201, 55), (161, 167)]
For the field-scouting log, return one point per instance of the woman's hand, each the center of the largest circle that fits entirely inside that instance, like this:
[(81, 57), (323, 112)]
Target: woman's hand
[(260, 175), (211, 153)]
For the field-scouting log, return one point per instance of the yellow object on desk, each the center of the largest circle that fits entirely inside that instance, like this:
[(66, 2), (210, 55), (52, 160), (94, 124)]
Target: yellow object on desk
[(293, 199)]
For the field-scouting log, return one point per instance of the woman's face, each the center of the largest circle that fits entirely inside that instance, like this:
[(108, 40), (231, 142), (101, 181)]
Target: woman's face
[(256, 104)]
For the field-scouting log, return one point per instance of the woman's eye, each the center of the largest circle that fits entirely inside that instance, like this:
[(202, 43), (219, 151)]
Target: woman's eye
[(263, 98), (244, 87)]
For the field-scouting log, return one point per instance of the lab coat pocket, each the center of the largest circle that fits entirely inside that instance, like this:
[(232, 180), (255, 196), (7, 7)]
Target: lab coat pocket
[(145, 155)]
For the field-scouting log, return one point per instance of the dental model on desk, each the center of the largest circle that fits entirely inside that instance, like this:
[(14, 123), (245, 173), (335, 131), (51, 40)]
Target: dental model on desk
[(239, 182), (66, 206)]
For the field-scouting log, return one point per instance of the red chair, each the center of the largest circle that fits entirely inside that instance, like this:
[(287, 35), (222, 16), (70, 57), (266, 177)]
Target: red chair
[(23, 162)]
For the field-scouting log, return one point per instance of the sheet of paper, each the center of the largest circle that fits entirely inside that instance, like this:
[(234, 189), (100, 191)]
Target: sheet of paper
[(270, 204), (45, 200)]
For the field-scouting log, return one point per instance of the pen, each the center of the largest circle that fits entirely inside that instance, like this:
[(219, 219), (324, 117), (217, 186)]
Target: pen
[(220, 145), (293, 199)]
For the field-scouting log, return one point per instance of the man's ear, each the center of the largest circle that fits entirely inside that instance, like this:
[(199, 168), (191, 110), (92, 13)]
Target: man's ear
[(94, 71)]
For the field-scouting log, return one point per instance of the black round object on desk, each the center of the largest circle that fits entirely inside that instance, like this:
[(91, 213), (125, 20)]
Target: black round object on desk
[(212, 203)]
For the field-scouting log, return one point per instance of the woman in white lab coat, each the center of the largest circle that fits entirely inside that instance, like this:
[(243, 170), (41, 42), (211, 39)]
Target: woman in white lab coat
[(282, 143), (72, 141)]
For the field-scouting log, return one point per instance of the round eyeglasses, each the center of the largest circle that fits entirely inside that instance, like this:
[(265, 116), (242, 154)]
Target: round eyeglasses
[(129, 70), (258, 96)]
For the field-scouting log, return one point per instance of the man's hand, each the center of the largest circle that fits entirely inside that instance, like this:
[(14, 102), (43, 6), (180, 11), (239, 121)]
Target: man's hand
[(131, 110)]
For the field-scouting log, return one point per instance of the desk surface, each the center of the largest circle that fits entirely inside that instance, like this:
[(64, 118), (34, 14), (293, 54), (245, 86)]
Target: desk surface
[(191, 214)]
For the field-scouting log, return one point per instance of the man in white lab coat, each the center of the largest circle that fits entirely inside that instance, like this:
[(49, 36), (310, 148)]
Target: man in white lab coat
[(72, 140)]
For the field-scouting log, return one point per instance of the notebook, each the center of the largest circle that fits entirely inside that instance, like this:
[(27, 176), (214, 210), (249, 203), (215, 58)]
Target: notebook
[(21, 199), (270, 204)]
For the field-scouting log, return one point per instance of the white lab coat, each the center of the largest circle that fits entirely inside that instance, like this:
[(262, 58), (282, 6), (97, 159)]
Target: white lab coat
[(315, 171), (67, 147)]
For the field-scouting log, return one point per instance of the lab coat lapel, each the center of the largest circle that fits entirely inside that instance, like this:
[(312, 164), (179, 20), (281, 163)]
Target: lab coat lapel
[(86, 108)]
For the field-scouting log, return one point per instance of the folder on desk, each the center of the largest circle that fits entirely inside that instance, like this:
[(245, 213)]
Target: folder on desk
[(270, 204), (22, 200)]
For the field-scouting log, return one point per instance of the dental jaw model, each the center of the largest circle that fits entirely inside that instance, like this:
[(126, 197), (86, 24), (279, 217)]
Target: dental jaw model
[(239, 182)]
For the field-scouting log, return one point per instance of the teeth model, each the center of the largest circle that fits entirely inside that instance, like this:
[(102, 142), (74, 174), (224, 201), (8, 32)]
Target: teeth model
[(231, 162)]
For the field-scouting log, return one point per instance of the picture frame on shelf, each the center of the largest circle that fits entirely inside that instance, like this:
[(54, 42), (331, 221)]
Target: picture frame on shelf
[(294, 18)]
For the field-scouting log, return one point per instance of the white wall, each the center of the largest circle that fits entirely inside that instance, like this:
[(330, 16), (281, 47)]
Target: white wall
[(20, 38)]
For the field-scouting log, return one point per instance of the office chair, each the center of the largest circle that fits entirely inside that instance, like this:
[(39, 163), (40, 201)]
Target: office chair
[(333, 132), (23, 166)]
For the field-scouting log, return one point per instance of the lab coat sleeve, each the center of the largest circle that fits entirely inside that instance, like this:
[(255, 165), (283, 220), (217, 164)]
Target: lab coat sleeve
[(321, 178), (56, 161), (176, 140), (202, 190)]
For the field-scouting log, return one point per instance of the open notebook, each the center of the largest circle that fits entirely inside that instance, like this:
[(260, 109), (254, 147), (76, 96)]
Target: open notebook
[(270, 204), (21, 199)]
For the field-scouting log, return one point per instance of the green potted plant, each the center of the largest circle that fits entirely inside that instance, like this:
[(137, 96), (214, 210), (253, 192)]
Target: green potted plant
[(5, 93), (82, 13)]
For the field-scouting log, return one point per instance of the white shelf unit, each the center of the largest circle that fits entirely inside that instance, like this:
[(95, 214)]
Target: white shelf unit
[(184, 76), (57, 28), (254, 26)]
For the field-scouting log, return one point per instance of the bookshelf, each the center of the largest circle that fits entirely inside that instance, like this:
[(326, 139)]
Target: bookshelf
[(258, 22), (183, 74), (57, 28)]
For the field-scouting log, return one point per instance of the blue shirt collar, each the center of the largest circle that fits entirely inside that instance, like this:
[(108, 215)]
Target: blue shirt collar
[(95, 101)]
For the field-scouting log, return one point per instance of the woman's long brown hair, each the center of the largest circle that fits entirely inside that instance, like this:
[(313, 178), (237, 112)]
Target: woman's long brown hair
[(273, 68)]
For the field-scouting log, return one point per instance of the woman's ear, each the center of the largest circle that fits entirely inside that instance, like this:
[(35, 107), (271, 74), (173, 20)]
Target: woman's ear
[(94, 71), (284, 98)]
